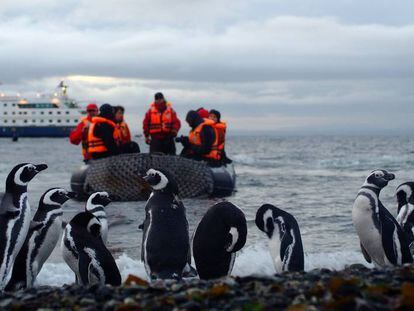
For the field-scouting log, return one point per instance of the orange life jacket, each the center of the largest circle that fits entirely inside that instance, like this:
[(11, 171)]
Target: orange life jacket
[(161, 122), (195, 139), (96, 144), (85, 133), (220, 128), (123, 132)]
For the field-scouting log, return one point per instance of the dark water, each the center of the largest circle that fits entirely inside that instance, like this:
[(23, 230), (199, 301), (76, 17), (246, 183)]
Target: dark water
[(314, 178)]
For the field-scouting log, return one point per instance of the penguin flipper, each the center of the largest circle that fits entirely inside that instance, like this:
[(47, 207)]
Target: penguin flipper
[(7, 207), (365, 253), (35, 225), (388, 239), (84, 263), (286, 245)]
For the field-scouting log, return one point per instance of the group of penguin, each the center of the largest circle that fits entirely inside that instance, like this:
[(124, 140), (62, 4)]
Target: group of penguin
[(385, 240), (26, 242)]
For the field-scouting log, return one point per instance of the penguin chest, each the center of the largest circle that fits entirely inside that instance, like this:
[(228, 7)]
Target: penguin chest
[(274, 248), (45, 242), (366, 224)]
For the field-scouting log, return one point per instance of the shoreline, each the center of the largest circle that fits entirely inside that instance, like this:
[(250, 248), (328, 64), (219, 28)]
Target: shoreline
[(351, 288)]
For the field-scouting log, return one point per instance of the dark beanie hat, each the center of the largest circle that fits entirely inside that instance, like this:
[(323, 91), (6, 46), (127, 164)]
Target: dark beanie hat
[(158, 95), (106, 111), (216, 113)]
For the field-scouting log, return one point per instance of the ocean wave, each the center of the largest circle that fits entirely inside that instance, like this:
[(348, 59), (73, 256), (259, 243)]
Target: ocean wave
[(253, 260)]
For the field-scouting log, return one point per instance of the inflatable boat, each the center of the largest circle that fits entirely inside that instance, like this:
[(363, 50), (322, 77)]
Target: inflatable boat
[(121, 177)]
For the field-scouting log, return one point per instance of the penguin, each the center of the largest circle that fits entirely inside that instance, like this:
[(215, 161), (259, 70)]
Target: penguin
[(285, 242), (220, 234), (15, 216), (41, 239), (405, 208), (381, 238), (85, 253), (96, 205), (165, 240)]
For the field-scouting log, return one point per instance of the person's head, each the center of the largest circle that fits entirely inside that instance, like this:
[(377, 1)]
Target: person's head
[(92, 110), (202, 112), (107, 111), (193, 118), (215, 115), (119, 113), (159, 99)]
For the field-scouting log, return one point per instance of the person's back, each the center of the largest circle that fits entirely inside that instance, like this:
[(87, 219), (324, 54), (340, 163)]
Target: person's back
[(103, 134), (161, 126)]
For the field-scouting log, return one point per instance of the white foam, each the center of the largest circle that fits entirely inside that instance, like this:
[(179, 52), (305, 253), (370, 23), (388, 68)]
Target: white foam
[(252, 260)]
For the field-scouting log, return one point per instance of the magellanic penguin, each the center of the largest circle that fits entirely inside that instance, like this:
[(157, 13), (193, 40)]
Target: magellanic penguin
[(96, 205), (285, 242), (86, 254), (382, 239), (165, 240), (40, 240), (15, 216), (220, 234), (405, 208)]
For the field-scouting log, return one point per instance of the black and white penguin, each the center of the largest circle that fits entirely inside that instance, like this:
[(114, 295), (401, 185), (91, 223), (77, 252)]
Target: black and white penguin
[(40, 240), (86, 254), (220, 234), (382, 239), (405, 207), (165, 240), (15, 216), (96, 205), (285, 242)]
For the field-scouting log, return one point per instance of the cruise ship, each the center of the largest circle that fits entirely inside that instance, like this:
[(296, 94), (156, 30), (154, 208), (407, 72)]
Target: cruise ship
[(53, 115)]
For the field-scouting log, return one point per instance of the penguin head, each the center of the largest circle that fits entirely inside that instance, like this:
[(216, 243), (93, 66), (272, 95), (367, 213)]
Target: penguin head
[(161, 180), (405, 201), (403, 193), (56, 196), (378, 179), (87, 221), (269, 218), (98, 199), (22, 174)]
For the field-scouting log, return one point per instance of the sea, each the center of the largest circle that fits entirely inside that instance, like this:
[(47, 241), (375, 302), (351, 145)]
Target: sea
[(315, 178)]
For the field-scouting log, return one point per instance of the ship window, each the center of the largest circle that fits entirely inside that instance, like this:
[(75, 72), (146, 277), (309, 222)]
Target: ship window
[(67, 121), (67, 112), (50, 112), (13, 112), (5, 105), (25, 121), (58, 121), (13, 121), (20, 112), (50, 121), (14, 105), (41, 121), (42, 112), (5, 112), (5, 121), (25, 112), (34, 121), (58, 112)]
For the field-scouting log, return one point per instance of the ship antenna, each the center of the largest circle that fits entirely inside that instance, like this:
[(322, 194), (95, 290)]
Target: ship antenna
[(64, 88)]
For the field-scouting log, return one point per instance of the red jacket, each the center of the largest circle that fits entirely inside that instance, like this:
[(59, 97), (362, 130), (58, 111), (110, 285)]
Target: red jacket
[(75, 136), (176, 125)]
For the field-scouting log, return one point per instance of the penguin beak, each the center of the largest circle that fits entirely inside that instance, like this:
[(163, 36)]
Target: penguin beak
[(40, 167), (71, 195), (389, 176)]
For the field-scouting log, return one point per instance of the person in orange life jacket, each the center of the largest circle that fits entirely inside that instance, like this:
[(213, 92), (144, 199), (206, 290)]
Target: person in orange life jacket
[(80, 133), (198, 150), (160, 126), (126, 145), (203, 113), (102, 135), (220, 128)]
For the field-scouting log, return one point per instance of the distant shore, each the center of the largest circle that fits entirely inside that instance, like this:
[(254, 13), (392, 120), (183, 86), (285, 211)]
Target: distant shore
[(352, 288)]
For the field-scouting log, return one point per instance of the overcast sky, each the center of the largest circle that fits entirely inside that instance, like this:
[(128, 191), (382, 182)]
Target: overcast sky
[(318, 66)]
